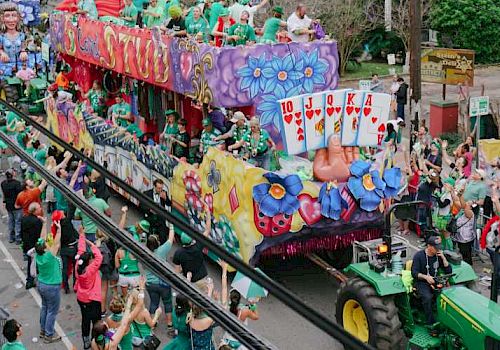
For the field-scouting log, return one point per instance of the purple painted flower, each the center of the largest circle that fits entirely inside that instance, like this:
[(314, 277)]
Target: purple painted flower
[(313, 69), (251, 75), (279, 195), (281, 74), (270, 109), (365, 185)]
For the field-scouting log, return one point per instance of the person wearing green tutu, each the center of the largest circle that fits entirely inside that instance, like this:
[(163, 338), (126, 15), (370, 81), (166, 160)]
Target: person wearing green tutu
[(442, 214)]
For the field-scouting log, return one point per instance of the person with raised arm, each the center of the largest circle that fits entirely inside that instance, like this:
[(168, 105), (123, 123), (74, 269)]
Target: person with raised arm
[(48, 264)]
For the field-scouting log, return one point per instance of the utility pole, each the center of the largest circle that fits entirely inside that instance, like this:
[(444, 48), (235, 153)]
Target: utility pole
[(415, 57)]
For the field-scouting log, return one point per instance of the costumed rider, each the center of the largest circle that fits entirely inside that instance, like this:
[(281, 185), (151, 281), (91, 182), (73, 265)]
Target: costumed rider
[(426, 264), (120, 112)]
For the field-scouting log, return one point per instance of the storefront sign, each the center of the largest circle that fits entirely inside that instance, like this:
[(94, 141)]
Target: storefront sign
[(479, 105), (448, 66)]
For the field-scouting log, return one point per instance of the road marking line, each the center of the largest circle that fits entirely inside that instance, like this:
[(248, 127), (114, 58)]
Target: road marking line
[(34, 294)]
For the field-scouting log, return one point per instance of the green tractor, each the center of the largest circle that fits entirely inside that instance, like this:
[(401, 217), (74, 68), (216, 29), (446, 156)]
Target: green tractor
[(12, 90), (376, 306)]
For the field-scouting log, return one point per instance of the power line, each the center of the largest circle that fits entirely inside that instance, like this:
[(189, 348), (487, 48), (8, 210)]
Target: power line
[(151, 262), (274, 288)]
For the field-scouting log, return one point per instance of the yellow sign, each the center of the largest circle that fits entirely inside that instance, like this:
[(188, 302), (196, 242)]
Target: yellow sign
[(448, 66)]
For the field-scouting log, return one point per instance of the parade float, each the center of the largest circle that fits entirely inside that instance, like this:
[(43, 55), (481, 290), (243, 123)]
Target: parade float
[(22, 69), (311, 206)]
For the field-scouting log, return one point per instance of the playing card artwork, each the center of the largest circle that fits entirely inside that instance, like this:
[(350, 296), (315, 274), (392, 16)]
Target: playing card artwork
[(373, 119), (333, 107), (358, 117), (314, 120), (293, 125), (351, 115)]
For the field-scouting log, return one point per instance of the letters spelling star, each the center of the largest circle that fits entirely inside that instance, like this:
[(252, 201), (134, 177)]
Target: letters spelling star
[(464, 64)]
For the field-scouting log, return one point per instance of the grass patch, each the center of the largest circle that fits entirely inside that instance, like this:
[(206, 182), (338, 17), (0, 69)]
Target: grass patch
[(366, 69)]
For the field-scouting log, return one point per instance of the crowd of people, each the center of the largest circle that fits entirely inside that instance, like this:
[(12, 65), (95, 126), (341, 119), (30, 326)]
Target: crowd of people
[(214, 22), (66, 252)]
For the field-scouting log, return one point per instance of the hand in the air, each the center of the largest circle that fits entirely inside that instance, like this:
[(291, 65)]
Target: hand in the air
[(333, 163)]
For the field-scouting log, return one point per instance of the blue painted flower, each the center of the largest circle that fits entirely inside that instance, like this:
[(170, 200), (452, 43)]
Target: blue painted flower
[(365, 185), (392, 179), (331, 201), (313, 69), (281, 74), (251, 75), (26, 13), (279, 195), (270, 109)]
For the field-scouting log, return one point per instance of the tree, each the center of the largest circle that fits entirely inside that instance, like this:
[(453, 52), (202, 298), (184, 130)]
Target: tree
[(401, 18), (348, 22), (470, 24)]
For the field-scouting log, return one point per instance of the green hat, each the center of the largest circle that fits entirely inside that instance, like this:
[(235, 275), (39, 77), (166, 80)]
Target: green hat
[(278, 9), (206, 122), (170, 111), (185, 239), (437, 144), (175, 11), (144, 225), (224, 12), (244, 2), (450, 181)]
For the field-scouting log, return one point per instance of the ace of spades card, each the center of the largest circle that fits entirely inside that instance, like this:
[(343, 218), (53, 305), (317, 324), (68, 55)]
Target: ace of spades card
[(373, 119), (292, 125), (350, 117), (314, 119), (333, 106)]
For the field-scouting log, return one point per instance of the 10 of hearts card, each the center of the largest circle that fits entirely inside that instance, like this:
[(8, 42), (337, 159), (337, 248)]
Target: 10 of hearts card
[(358, 117)]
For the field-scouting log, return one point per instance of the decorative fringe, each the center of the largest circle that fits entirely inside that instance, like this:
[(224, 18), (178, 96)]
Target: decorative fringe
[(318, 244)]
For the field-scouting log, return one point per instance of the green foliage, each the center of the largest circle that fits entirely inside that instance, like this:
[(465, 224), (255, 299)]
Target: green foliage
[(470, 24), (454, 139)]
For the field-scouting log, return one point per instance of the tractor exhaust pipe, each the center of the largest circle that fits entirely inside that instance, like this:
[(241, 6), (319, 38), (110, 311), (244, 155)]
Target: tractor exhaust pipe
[(387, 237), (494, 278)]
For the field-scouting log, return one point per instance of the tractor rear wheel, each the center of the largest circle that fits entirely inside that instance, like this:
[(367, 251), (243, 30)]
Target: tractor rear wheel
[(8, 92), (369, 317)]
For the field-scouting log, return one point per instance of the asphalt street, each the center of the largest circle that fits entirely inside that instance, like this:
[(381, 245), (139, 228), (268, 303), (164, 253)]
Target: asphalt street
[(282, 326)]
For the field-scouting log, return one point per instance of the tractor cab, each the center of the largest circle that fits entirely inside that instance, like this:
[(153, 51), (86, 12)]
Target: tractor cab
[(379, 305)]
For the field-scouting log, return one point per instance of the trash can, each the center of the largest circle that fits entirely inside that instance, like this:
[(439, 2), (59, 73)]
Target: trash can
[(4, 316), (443, 117)]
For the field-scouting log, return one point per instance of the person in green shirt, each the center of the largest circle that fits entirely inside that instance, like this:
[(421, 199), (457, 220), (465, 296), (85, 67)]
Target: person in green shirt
[(154, 15), (196, 26), (180, 141), (208, 136), (171, 128), (215, 11), (241, 33), (87, 8), (239, 128), (272, 26), (258, 143), (129, 13), (120, 112), (48, 265), (88, 224), (96, 97), (12, 331)]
